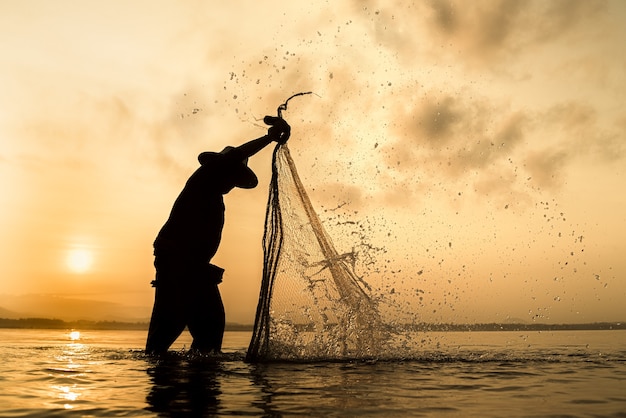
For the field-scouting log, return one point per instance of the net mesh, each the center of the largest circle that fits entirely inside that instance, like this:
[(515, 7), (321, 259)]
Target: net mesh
[(312, 305)]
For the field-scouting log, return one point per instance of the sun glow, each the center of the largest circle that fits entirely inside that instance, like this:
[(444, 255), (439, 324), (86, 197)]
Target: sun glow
[(79, 260)]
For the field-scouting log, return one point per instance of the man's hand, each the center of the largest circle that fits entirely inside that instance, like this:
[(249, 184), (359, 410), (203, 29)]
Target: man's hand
[(280, 129)]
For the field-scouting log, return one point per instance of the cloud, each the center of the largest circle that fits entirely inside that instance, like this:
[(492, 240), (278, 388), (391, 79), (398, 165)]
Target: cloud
[(453, 135), (409, 114), (545, 167), (485, 26), (561, 16), (484, 32), (579, 130), (439, 121), (443, 129), (488, 148)]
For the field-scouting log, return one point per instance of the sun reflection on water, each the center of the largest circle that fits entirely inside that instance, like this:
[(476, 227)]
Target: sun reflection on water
[(67, 393), (75, 346), (69, 368)]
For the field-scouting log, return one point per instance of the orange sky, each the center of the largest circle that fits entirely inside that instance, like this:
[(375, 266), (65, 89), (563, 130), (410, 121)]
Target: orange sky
[(480, 143)]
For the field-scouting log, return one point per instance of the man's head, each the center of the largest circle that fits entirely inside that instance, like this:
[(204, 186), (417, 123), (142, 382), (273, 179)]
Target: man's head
[(241, 175)]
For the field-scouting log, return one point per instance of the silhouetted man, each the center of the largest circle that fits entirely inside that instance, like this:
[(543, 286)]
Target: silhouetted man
[(186, 283)]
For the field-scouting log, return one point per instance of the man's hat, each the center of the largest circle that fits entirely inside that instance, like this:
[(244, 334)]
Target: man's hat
[(242, 175)]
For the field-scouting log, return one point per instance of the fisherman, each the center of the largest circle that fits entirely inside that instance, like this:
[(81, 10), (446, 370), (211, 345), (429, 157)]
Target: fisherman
[(186, 282)]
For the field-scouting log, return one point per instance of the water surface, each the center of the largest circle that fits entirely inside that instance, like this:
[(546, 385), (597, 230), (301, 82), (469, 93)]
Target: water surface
[(104, 373)]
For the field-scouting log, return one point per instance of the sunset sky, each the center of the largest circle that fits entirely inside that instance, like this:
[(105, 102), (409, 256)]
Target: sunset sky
[(478, 147)]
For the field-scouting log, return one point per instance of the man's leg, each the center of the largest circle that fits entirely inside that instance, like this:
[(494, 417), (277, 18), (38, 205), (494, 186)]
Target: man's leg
[(167, 322), (168, 314), (207, 318)]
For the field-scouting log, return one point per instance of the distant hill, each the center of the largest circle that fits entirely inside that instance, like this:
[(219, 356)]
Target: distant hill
[(5, 313), (69, 309)]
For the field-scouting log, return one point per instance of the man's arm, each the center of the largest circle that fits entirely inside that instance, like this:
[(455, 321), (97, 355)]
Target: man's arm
[(279, 132), (252, 147)]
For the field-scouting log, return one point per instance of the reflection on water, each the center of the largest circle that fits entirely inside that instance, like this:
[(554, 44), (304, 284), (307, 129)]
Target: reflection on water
[(180, 385), (69, 368), (72, 363), (202, 386), (67, 393)]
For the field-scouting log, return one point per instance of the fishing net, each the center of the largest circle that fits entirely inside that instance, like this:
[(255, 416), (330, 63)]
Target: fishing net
[(312, 305)]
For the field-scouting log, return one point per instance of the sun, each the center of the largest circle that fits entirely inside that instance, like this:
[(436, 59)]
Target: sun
[(79, 260)]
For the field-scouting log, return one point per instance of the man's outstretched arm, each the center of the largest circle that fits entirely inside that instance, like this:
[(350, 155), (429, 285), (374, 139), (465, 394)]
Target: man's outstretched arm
[(279, 131)]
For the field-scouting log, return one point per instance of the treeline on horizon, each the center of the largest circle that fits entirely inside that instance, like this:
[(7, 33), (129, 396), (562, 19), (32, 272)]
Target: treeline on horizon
[(592, 326), (44, 323)]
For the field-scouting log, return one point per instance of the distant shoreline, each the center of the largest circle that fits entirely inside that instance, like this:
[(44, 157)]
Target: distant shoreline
[(44, 323), (594, 326)]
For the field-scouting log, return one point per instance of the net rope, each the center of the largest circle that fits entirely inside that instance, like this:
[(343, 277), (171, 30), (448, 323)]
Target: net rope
[(312, 306)]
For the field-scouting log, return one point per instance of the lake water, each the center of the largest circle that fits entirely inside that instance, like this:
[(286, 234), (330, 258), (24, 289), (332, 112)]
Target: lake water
[(50, 373)]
